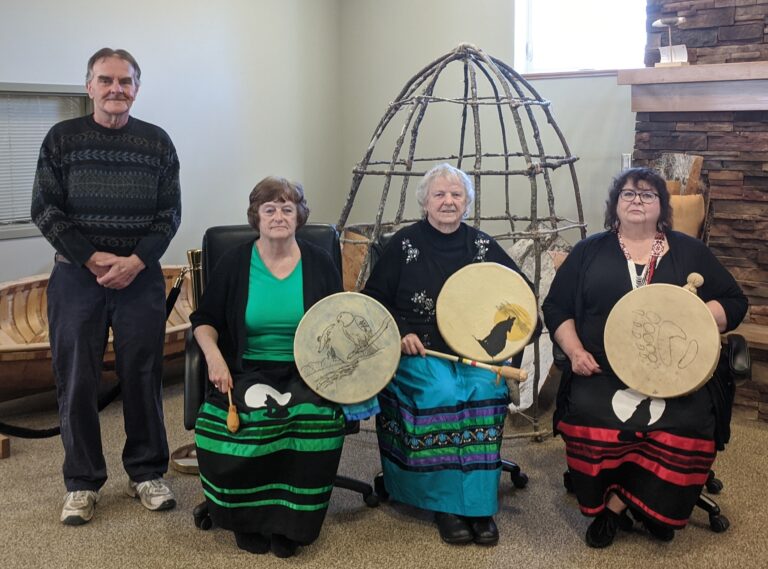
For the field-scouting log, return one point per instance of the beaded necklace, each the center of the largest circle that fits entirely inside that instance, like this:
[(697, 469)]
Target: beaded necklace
[(645, 277)]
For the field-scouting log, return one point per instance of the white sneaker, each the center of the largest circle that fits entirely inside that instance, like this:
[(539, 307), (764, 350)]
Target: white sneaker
[(154, 494), (78, 507)]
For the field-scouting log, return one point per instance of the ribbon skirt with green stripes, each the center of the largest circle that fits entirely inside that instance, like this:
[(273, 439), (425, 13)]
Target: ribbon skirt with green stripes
[(275, 475)]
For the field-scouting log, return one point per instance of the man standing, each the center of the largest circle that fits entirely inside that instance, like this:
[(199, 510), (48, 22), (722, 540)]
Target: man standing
[(107, 197)]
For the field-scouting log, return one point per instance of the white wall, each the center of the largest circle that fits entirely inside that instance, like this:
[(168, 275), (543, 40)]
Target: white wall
[(248, 88), (245, 88)]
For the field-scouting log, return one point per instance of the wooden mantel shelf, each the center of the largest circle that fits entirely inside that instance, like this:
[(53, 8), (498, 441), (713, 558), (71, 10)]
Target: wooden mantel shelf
[(716, 87)]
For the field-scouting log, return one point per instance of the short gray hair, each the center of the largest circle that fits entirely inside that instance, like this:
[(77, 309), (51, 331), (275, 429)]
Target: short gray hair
[(109, 52), (452, 173)]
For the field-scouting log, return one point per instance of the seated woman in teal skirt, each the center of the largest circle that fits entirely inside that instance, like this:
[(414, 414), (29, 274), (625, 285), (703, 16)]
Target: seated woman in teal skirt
[(441, 423), (270, 482)]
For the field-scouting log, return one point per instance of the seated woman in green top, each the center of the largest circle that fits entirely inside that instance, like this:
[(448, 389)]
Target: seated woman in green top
[(270, 482)]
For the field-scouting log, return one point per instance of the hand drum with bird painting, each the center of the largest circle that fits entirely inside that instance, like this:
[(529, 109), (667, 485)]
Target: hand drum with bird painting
[(662, 341), (486, 312), (347, 347)]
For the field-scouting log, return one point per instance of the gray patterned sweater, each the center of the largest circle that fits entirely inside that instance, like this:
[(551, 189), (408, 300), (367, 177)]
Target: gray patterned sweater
[(111, 190)]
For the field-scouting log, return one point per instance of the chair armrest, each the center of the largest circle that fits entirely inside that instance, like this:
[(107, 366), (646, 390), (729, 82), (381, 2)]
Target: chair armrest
[(559, 359), (739, 361), (195, 380)]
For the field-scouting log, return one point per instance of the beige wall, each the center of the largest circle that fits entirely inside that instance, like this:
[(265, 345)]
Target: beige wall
[(248, 88)]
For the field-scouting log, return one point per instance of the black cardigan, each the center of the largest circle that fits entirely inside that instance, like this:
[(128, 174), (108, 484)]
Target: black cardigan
[(601, 252), (414, 266), (226, 294), (686, 255)]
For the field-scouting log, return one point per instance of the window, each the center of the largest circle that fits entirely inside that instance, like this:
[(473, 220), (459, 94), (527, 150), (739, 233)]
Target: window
[(26, 114), (584, 35)]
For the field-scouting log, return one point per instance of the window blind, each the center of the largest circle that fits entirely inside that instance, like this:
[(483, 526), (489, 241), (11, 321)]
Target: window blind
[(24, 121)]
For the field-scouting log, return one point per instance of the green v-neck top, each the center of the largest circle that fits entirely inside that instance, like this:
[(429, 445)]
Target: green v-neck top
[(273, 311)]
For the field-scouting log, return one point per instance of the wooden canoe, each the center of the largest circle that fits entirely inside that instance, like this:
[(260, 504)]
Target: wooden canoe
[(25, 353)]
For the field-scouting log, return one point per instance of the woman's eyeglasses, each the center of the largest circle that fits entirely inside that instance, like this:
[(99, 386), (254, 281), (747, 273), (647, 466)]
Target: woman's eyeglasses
[(645, 197)]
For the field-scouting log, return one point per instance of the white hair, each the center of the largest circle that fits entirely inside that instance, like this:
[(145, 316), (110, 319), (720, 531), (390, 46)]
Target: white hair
[(449, 172)]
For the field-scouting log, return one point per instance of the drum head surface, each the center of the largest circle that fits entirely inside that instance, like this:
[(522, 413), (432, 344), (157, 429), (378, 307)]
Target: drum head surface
[(662, 341), (486, 312), (347, 347)]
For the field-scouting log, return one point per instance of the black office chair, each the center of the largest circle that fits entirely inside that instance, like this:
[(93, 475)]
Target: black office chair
[(216, 242), (518, 477), (735, 355)]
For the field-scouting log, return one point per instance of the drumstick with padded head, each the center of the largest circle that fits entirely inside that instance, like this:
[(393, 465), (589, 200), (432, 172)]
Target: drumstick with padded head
[(695, 280), (507, 372), (233, 419)]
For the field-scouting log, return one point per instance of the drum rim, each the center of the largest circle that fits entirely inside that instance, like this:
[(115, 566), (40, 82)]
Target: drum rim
[(386, 313), (523, 342), (641, 388)]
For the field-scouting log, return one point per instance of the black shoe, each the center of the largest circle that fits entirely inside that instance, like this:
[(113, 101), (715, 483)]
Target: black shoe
[(252, 542), (602, 530), (625, 522), (453, 529), (484, 530), (657, 530), (282, 546)]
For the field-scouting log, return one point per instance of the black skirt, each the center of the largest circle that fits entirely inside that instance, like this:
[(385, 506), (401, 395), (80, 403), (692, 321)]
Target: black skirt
[(655, 454), (275, 475)]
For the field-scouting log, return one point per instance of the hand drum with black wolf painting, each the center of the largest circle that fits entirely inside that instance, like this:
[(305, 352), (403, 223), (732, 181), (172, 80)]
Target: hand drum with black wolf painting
[(347, 347), (486, 312)]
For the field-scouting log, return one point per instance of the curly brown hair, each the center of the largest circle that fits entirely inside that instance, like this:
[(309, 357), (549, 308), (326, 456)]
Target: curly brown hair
[(635, 175), (276, 189)]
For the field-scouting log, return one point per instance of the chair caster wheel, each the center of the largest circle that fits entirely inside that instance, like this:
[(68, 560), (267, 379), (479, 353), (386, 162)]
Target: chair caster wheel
[(714, 485), (202, 520), (520, 481), (371, 500), (380, 489), (718, 523)]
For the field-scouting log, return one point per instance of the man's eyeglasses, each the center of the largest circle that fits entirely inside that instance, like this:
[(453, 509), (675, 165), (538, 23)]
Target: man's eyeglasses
[(645, 197)]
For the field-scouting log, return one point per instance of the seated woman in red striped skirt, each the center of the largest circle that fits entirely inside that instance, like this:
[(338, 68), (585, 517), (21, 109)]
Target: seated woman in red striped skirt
[(625, 450)]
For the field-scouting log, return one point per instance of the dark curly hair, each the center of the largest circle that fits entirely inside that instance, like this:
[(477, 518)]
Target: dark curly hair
[(636, 175), (275, 189)]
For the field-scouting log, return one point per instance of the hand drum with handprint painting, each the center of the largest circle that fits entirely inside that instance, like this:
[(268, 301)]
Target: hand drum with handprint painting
[(662, 341)]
